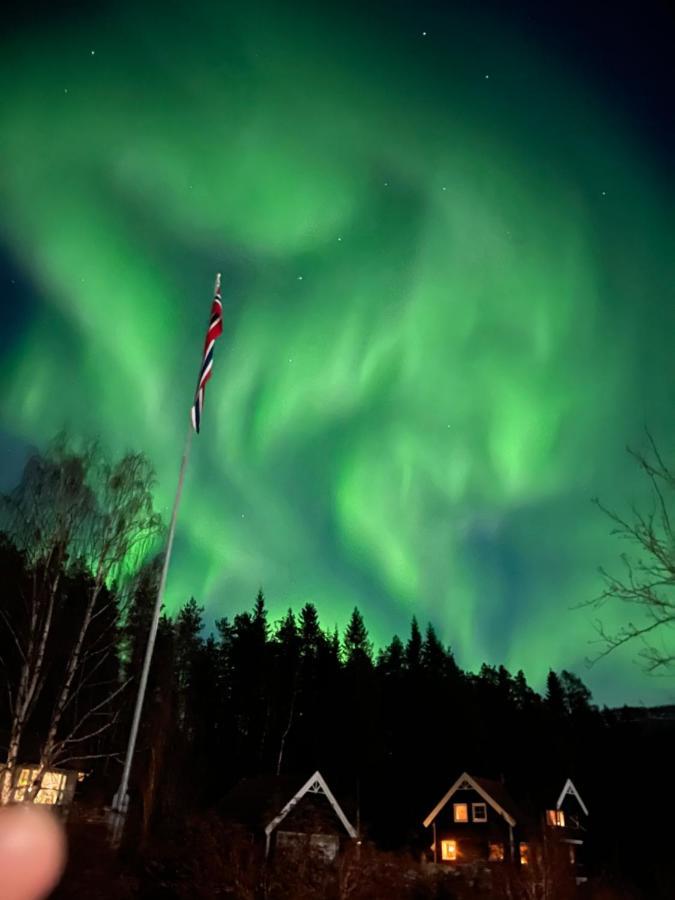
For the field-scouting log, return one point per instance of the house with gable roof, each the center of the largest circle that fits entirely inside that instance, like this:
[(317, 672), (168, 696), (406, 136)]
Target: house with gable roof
[(568, 816), (477, 820), (291, 815)]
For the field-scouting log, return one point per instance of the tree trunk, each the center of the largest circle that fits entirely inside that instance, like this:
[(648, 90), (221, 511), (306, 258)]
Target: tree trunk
[(28, 690), (50, 744)]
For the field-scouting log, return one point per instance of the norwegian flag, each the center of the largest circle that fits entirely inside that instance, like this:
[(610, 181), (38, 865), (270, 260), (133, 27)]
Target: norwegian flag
[(214, 331)]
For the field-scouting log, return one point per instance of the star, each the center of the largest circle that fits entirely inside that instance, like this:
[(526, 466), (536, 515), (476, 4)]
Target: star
[(487, 76), (424, 34), (444, 188), (65, 90), (339, 238), (299, 277), (93, 52), (604, 193)]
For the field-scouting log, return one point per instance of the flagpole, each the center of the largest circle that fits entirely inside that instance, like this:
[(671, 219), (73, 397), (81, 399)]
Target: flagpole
[(120, 802)]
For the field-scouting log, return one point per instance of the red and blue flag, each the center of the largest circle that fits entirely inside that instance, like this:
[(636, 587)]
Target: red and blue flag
[(214, 331)]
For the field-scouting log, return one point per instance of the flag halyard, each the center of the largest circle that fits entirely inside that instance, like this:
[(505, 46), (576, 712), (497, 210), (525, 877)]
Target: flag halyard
[(213, 332)]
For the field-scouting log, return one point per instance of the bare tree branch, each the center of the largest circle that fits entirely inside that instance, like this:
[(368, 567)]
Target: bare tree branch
[(647, 582)]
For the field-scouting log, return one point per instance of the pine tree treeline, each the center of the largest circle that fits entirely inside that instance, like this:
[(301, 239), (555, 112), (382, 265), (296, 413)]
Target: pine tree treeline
[(289, 697)]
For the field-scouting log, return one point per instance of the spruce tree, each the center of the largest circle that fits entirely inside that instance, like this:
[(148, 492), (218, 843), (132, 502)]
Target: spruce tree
[(413, 649), (358, 649)]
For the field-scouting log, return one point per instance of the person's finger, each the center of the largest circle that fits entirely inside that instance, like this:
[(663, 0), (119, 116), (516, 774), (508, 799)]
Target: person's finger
[(32, 852)]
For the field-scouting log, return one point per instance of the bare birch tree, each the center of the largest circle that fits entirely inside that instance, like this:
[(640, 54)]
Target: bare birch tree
[(43, 516), (646, 584), (73, 511)]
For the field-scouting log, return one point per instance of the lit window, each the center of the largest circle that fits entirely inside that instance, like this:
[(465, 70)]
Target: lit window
[(51, 790), (449, 850), (53, 785), (461, 812), (496, 853), (22, 782), (479, 812), (524, 854), (555, 817)]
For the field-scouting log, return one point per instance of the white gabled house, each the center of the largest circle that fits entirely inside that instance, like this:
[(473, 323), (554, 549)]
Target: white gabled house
[(569, 817), (294, 816)]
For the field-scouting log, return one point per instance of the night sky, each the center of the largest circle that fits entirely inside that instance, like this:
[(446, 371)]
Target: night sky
[(447, 246)]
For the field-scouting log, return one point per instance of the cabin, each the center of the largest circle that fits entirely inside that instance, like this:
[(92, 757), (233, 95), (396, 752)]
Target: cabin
[(566, 820), (293, 816), (477, 820), (57, 787)]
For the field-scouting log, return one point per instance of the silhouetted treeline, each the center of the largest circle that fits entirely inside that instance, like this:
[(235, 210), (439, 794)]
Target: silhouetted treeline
[(391, 728)]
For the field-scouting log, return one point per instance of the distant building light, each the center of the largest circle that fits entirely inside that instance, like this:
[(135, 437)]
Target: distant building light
[(51, 790)]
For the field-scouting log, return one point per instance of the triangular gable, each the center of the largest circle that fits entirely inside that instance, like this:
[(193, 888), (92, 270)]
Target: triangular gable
[(466, 782), (314, 785), (569, 789)]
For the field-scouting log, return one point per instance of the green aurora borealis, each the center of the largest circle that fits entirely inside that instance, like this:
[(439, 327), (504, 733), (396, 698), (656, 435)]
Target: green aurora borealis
[(448, 306)]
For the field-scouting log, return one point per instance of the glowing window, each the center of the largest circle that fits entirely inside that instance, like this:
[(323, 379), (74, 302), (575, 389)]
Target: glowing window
[(479, 812), (524, 854), (51, 790), (496, 853), (449, 850), (555, 817), (461, 812)]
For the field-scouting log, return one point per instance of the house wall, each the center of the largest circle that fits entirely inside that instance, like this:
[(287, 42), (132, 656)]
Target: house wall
[(323, 847), (575, 817), (313, 814), (473, 838), (310, 828), (573, 834)]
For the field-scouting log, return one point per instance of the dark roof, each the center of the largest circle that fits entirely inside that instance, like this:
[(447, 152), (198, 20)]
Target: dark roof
[(497, 790)]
